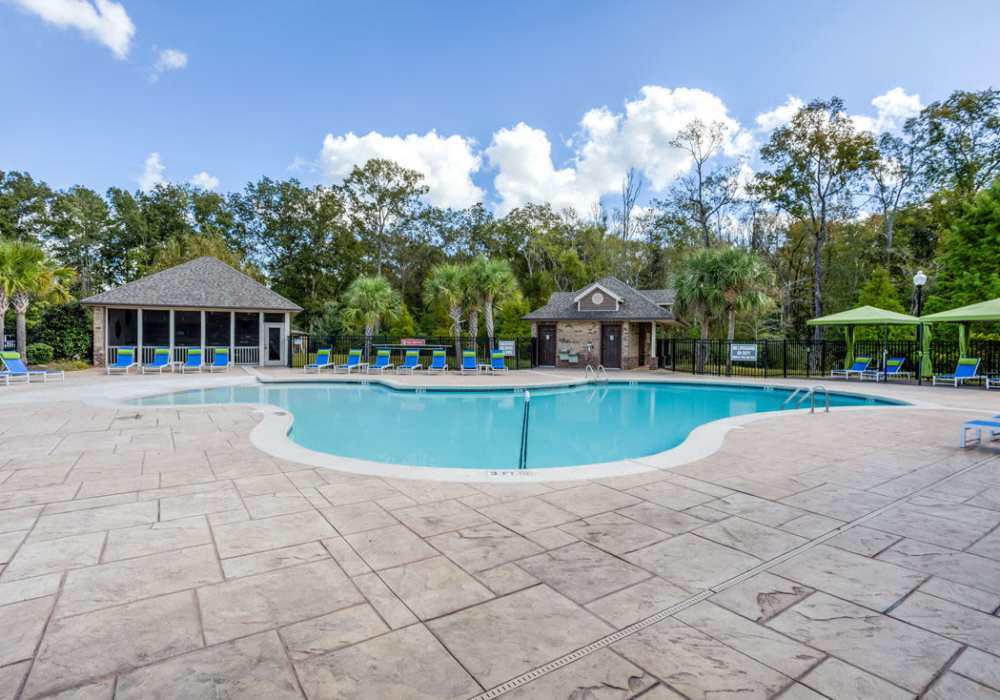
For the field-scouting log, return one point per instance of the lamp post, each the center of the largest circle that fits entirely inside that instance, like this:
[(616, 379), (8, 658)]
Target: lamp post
[(919, 280)]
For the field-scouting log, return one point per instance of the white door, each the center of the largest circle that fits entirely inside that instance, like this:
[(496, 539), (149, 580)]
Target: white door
[(274, 344)]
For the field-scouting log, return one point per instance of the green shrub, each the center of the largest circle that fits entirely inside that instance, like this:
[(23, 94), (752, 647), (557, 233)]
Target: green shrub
[(39, 353), (65, 328)]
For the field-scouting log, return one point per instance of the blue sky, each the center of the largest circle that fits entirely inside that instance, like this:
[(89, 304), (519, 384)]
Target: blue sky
[(527, 100)]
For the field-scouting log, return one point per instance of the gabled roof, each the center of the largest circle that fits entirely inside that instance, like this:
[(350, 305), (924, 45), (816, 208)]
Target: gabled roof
[(636, 305), (596, 285), (202, 283)]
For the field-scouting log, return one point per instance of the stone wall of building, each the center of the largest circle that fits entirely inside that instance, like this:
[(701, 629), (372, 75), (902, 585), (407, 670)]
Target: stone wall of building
[(97, 327), (583, 339), (580, 338), (630, 346)]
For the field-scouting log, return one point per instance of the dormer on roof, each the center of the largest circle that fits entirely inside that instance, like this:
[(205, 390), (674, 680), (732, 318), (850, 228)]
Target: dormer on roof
[(597, 297)]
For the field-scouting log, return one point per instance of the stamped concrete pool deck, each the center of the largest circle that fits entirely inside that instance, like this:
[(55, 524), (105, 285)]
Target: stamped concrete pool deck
[(156, 553)]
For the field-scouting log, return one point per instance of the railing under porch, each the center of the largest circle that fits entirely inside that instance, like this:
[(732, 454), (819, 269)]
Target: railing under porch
[(242, 355)]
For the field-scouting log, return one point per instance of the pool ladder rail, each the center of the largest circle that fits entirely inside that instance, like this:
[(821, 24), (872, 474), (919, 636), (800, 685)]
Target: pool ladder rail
[(599, 375), (810, 394)]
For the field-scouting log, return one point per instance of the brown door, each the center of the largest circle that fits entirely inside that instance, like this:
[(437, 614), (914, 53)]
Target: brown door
[(547, 346), (643, 343), (611, 345)]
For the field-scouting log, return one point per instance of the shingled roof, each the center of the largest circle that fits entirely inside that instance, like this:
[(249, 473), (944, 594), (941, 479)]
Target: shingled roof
[(636, 305), (203, 283)]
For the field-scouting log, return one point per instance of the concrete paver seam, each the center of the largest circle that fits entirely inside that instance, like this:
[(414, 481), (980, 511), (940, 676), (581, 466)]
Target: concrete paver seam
[(617, 636)]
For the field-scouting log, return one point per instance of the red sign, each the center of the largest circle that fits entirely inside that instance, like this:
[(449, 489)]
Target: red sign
[(412, 341)]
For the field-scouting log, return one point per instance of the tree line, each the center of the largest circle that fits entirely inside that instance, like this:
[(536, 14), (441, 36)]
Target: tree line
[(832, 214)]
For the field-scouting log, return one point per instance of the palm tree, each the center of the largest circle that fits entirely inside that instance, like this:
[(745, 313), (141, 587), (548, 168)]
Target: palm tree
[(7, 250), (368, 302), (447, 286), (745, 282), (473, 302), (495, 283), (699, 295), (28, 275)]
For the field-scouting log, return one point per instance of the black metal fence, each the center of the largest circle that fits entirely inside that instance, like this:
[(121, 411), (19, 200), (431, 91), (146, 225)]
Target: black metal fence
[(303, 348), (803, 358)]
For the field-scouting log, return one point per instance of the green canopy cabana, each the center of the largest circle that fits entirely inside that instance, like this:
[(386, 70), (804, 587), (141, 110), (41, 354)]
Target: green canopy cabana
[(863, 316), (963, 316)]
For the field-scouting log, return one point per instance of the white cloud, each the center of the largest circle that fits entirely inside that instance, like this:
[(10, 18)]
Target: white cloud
[(780, 115), (607, 146), (102, 20), (447, 163), (892, 109), (523, 157), (205, 181), (167, 60), (152, 173)]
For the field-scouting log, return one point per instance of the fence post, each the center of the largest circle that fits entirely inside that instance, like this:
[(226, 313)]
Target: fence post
[(784, 358), (767, 357), (822, 357)]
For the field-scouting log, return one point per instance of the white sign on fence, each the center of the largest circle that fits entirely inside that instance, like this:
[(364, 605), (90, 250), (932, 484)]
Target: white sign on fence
[(507, 346), (743, 352)]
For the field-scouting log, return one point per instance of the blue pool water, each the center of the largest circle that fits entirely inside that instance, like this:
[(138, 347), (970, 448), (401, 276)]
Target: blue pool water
[(483, 429)]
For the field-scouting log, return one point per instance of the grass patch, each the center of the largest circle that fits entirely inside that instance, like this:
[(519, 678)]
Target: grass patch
[(66, 365)]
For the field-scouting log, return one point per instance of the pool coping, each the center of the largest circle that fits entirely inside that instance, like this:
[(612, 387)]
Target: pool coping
[(271, 435)]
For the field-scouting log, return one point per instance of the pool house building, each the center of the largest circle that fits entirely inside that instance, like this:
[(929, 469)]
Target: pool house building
[(607, 323), (203, 304)]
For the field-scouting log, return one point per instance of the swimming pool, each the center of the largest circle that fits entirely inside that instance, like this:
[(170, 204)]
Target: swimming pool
[(563, 426)]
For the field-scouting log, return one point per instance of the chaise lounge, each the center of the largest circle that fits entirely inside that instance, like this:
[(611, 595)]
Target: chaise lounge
[(382, 362), (15, 367), (353, 362), (411, 363), (439, 363), (124, 361), (965, 370), (220, 361), (498, 362), (192, 362), (469, 365), (321, 363), (161, 361), (860, 368), (991, 426)]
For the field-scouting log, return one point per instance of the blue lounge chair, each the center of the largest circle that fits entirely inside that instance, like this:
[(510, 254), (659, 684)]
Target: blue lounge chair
[(192, 362), (322, 361), (438, 362), (161, 361), (5, 376), (16, 368), (382, 362), (964, 371), (124, 361), (893, 368), (991, 426), (353, 362), (411, 363), (220, 361), (497, 362), (860, 367), (469, 365)]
